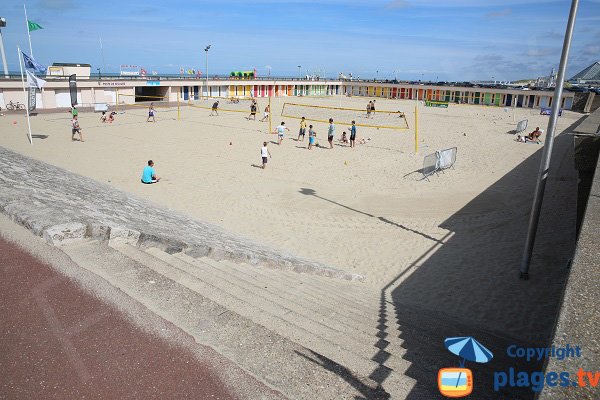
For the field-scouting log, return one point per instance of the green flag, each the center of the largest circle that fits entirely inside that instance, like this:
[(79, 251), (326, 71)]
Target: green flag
[(33, 26)]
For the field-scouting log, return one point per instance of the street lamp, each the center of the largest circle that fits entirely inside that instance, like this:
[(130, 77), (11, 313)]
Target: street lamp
[(99, 74), (377, 75), (206, 70), (299, 74), (2, 25)]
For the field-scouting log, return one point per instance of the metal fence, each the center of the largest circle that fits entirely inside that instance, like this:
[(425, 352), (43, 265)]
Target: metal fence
[(438, 162)]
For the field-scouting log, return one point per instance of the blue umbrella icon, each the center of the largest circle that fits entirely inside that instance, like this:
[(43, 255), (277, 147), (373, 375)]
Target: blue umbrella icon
[(468, 348)]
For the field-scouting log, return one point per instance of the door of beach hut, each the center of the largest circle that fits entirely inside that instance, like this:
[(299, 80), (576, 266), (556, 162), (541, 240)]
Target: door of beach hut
[(508, 101), (568, 103), (497, 99), (520, 100), (186, 93), (487, 99), (531, 101), (476, 98)]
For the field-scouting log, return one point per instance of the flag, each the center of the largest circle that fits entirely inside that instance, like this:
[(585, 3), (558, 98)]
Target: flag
[(143, 72), (33, 26), (32, 64), (33, 81)]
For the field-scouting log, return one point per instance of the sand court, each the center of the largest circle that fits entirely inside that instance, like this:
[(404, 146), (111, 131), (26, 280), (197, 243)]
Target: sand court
[(355, 209)]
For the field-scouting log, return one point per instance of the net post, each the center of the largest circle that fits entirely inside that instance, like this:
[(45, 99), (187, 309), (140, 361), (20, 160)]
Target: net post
[(416, 129), (178, 113), (117, 99), (270, 113)]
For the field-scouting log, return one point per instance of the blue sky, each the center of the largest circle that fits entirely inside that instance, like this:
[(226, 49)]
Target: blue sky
[(413, 39)]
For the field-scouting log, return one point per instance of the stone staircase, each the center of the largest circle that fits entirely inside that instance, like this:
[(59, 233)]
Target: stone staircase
[(304, 335)]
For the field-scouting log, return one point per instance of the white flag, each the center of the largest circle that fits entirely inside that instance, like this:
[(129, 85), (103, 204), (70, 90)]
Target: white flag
[(34, 81)]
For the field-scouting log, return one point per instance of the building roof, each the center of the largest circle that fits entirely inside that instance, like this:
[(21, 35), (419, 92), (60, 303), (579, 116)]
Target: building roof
[(591, 73), (70, 65)]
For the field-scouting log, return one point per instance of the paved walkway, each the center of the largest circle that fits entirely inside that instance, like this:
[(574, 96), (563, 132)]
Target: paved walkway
[(58, 341)]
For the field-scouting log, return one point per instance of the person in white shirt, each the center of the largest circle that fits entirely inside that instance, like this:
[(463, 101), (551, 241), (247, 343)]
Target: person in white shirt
[(75, 128), (265, 153), (280, 131)]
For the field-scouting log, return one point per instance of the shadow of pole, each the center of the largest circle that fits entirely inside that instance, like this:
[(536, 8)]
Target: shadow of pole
[(312, 192)]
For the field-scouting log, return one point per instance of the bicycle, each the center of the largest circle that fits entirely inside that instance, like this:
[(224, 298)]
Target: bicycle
[(15, 106)]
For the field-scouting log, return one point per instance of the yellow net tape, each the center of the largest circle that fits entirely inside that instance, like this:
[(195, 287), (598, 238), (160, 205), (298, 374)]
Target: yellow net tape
[(381, 119), (229, 104)]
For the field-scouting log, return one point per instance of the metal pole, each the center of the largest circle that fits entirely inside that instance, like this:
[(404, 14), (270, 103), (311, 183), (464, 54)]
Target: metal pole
[(416, 129), (206, 77), (270, 111), (547, 152), (28, 33), (3, 56), (178, 113)]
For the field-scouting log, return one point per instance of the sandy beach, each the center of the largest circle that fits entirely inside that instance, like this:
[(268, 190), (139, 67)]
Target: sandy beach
[(362, 210), (337, 206)]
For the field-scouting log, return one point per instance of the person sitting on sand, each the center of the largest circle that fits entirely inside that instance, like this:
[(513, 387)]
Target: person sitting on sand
[(149, 174), (103, 117), (111, 117), (535, 135), (344, 138)]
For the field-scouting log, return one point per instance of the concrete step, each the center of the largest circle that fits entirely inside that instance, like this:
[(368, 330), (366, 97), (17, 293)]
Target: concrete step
[(321, 369), (271, 314), (289, 293), (362, 297), (338, 347)]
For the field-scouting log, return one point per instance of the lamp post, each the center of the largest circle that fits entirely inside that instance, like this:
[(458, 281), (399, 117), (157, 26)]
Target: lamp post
[(99, 74), (2, 25), (299, 74), (377, 75), (206, 70)]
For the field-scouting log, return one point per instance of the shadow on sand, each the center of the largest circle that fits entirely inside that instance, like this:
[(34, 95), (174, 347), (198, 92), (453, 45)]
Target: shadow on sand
[(467, 283)]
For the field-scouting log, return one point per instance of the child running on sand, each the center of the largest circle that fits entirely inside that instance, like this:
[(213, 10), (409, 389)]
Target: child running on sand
[(103, 117), (312, 137), (331, 133), (266, 116), (151, 112), (352, 130), (253, 109), (214, 109), (75, 128), (280, 131), (302, 129), (264, 153)]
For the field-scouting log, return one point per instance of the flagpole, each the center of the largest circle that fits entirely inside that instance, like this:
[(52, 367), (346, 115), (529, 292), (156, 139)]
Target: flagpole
[(28, 33), (25, 92)]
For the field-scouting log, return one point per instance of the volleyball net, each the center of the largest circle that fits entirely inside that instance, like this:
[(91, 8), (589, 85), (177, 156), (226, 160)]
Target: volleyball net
[(227, 104), (144, 101), (380, 119)]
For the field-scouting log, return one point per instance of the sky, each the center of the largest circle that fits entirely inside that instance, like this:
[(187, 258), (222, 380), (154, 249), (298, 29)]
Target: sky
[(431, 40)]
